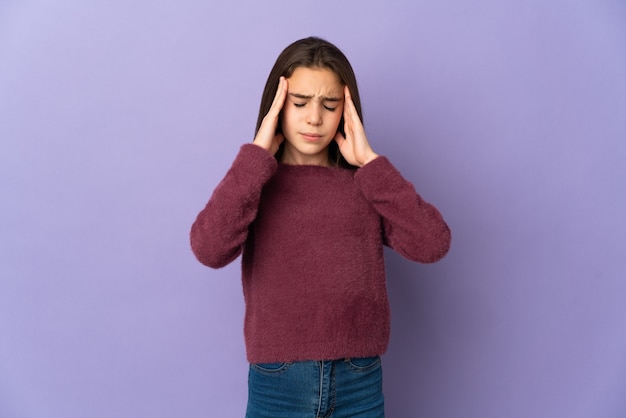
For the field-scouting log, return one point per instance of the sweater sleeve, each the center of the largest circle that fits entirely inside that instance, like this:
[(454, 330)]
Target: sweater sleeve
[(411, 226), (221, 228)]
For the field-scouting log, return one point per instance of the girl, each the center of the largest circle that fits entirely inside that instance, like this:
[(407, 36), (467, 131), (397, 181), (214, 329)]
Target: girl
[(309, 205)]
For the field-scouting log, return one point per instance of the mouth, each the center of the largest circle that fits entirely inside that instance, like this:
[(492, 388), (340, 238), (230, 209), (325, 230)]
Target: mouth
[(311, 137)]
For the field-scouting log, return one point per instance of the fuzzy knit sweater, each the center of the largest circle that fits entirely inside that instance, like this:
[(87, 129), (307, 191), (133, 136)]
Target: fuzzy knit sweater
[(311, 240)]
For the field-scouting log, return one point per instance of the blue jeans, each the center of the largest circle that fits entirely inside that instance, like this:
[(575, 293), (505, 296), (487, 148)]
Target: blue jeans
[(316, 389)]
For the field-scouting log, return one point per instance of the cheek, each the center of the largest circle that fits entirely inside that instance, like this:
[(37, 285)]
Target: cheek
[(336, 117)]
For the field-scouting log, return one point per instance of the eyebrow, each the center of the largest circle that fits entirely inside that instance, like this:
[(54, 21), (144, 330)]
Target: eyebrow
[(324, 98)]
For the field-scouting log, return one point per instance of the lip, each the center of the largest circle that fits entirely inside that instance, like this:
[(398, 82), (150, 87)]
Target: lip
[(311, 137)]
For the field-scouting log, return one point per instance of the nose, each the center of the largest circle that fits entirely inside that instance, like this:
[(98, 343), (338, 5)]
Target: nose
[(314, 117)]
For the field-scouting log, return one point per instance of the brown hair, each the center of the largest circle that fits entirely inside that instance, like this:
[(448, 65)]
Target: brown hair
[(311, 52)]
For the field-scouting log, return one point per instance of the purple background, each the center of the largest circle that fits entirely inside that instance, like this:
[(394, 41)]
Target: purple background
[(117, 119)]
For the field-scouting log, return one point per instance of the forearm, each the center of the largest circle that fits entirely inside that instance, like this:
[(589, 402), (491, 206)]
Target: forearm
[(221, 228), (411, 226)]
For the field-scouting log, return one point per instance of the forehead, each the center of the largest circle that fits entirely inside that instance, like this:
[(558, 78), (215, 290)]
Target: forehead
[(315, 82)]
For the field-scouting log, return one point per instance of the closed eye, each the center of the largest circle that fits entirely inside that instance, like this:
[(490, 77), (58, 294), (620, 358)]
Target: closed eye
[(329, 108)]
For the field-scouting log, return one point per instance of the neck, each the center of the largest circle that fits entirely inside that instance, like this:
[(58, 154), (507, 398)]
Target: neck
[(294, 158)]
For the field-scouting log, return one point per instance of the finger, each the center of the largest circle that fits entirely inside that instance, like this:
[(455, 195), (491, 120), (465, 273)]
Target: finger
[(346, 100), (349, 110), (348, 123), (351, 107), (346, 114), (349, 103), (279, 98)]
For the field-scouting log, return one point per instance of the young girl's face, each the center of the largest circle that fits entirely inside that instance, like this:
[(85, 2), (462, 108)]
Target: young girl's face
[(311, 115)]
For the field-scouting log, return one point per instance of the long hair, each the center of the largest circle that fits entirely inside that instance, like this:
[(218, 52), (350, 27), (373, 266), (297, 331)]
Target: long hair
[(315, 53)]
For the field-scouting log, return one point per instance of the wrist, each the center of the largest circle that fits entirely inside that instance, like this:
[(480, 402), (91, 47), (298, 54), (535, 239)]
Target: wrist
[(260, 144), (369, 159)]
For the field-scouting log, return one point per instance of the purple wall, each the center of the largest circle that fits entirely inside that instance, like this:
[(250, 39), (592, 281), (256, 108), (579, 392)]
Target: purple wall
[(116, 122)]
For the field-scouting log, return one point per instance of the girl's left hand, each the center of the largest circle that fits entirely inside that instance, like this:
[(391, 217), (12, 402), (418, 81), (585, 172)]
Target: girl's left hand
[(354, 147)]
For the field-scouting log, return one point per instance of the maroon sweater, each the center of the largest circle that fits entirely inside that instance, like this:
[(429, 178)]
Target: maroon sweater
[(312, 241)]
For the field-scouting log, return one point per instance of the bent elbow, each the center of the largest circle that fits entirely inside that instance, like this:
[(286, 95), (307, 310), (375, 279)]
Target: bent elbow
[(430, 248), (438, 248), (207, 254)]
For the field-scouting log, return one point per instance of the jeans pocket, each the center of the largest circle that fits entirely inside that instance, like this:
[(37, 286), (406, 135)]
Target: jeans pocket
[(363, 364), (270, 368)]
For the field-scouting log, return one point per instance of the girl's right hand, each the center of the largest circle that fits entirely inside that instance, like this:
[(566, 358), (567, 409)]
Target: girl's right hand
[(266, 137)]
